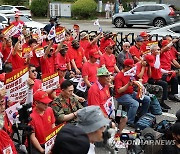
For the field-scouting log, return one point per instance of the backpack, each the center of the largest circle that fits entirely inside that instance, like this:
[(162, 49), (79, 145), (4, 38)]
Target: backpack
[(147, 120)]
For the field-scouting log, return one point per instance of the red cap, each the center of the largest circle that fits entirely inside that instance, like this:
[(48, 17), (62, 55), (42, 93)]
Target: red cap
[(129, 62), (150, 60), (62, 67), (109, 43), (2, 77), (16, 15), (164, 43), (144, 34), (42, 96), (94, 53)]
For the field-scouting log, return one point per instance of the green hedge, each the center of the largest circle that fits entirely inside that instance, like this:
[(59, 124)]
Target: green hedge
[(39, 8), (84, 9)]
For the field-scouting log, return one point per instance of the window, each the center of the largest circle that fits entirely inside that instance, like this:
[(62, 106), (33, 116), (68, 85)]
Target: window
[(159, 7), (1, 8), (21, 8), (2, 19), (150, 8), (139, 9), (7, 8)]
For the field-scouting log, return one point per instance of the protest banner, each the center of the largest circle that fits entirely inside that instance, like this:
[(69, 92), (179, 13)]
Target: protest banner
[(12, 113), (50, 81), (60, 34), (50, 137), (10, 31), (39, 52), (81, 85), (110, 108), (16, 85), (147, 46)]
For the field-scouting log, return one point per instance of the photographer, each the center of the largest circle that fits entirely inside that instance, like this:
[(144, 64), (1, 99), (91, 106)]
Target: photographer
[(92, 121), (174, 149)]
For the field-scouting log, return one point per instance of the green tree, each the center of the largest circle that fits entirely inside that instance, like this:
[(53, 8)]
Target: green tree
[(14, 2), (39, 8)]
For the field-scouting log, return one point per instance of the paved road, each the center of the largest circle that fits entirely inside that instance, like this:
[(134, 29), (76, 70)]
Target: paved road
[(106, 25)]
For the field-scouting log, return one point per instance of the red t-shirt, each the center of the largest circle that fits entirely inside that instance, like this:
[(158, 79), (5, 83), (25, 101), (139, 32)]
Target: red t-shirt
[(58, 91), (135, 51), (60, 60), (42, 123), (173, 52), (6, 143), (90, 70), (34, 60), (145, 75), (37, 85), (77, 55), (98, 95), (47, 64), (6, 53), (165, 59), (17, 61), (89, 47), (109, 61), (84, 44), (120, 81)]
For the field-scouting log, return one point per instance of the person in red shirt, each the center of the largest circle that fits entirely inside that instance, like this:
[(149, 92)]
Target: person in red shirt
[(7, 49), (145, 37), (43, 120), (89, 69), (99, 93), (108, 59), (157, 77), (17, 22), (5, 140), (18, 61), (104, 41), (77, 57), (135, 49), (125, 94), (62, 58)]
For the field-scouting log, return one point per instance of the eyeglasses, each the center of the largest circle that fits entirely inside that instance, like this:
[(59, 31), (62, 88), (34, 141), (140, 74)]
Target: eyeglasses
[(127, 46), (33, 71), (158, 49)]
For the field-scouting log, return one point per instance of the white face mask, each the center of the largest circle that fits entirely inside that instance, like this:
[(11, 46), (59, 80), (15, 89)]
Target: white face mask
[(1, 121), (44, 36)]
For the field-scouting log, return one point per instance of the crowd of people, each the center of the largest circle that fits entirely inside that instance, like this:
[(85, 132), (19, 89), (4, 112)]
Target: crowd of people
[(105, 76)]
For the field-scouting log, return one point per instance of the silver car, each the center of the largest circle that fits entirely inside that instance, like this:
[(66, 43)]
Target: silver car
[(157, 15)]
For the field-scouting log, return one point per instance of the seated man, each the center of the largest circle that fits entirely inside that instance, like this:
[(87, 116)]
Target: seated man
[(65, 106), (99, 93), (125, 94), (42, 120)]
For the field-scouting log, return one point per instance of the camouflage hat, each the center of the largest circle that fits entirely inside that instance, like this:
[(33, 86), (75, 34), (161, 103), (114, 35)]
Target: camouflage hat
[(102, 71)]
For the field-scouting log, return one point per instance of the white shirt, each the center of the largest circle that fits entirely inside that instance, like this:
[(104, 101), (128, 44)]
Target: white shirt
[(91, 149)]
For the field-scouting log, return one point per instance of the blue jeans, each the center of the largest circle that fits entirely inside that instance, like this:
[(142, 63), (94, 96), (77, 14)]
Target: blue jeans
[(132, 103)]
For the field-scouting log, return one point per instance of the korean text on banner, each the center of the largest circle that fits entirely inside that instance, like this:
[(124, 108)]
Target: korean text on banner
[(16, 85), (50, 137), (10, 31), (60, 34), (50, 81)]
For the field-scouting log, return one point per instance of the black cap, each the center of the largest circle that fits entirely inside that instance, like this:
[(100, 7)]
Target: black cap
[(71, 140)]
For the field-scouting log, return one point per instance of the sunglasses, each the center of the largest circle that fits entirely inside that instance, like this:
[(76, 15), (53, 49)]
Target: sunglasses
[(127, 46), (33, 71)]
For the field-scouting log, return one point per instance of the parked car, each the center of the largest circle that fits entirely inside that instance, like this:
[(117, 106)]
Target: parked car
[(9, 9), (5, 9), (173, 30), (24, 11), (28, 22), (157, 15)]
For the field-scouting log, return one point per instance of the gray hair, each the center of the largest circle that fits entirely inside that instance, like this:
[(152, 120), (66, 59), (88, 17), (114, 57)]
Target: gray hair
[(125, 43), (153, 47)]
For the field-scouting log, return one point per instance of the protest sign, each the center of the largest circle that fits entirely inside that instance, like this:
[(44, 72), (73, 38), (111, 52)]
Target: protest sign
[(50, 137), (39, 52), (131, 72), (147, 45), (81, 85), (60, 34), (50, 81), (10, 31), (12, 113), (16, 85), (110, 108)]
